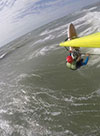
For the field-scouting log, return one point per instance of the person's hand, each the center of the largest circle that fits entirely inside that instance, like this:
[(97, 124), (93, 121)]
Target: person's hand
[(87, 54)]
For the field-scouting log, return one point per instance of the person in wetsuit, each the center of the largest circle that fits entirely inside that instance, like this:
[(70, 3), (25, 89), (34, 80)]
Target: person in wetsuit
[(74, 60)]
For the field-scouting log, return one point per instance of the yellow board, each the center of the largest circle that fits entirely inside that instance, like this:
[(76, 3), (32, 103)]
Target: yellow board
[(90, 41)]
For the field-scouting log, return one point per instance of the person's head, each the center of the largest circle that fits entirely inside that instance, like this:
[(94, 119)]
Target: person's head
[(74, 55), (69, 59)]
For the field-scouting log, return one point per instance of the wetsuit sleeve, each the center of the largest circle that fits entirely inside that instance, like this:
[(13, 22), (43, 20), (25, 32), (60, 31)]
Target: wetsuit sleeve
[(85, 61)]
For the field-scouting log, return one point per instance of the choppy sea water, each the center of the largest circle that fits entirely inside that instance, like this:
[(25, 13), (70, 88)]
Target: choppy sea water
[(39, 96)]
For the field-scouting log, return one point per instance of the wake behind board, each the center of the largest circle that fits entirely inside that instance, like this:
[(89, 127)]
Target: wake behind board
[(71, 32)]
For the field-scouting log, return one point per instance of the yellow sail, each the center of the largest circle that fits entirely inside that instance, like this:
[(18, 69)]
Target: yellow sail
[(90, 41)]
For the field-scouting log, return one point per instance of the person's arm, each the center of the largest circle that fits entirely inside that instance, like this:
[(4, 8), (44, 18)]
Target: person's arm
[(79, 58), (85, 61)]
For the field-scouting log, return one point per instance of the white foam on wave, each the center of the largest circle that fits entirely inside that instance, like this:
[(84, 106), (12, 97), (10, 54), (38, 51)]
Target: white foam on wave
[(98, 92), (47, 31), (90, 18), (90, 96), (55, 113), (62, 133), (49, 37), (2, 56), (3, 111), (21, 76), (25, 76), (61, 34), (69, 99), (44, 51), (35, 75), (33, 128), (5, 127), (93, 8), (74, 99)]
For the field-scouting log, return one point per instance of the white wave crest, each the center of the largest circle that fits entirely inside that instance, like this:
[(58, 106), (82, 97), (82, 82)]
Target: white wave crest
[(44, 51), (90, 18), (47, 31), (50, 37)]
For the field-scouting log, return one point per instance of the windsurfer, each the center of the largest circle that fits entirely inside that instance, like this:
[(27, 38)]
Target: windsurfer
[(74, 60)]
